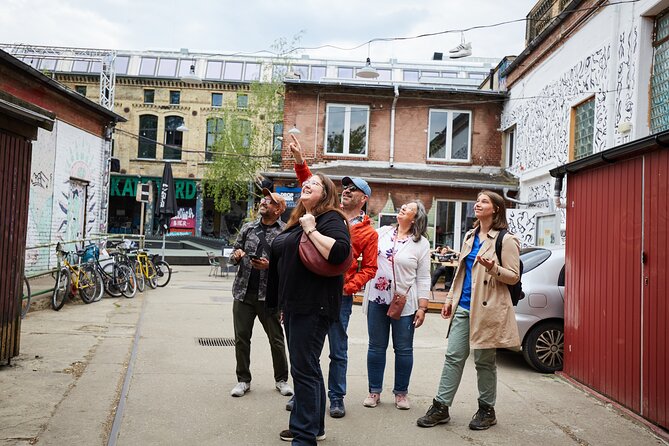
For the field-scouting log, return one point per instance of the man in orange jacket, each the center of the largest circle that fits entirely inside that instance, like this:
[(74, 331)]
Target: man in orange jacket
[(364, 240)]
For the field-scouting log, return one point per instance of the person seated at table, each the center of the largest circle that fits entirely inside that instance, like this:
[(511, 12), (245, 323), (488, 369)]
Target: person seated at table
[(443, 270)]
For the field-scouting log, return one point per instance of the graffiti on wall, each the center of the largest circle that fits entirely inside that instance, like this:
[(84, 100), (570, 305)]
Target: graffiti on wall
[(542, 123), (521, 223), (627, 48)]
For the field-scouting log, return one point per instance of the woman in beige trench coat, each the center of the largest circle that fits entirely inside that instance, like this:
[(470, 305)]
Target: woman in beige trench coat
[(481, 313)]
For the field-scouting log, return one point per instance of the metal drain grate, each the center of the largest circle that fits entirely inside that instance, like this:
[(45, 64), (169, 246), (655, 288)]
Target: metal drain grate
[(216, 342)]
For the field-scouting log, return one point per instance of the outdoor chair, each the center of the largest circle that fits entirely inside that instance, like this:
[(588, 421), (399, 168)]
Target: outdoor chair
[(215, 265)]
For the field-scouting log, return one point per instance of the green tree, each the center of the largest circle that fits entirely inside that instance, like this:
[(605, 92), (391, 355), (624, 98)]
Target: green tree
[(242, 146)]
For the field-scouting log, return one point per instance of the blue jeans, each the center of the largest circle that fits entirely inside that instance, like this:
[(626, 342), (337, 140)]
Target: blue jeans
[(378, 326), (305, 334), (339, 351)]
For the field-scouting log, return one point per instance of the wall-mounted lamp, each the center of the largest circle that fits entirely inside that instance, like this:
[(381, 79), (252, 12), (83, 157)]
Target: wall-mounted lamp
[(294, 131), (182, 128)]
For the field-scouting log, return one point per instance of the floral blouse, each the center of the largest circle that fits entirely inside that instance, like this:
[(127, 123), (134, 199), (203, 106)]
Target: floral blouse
[(382, 290)]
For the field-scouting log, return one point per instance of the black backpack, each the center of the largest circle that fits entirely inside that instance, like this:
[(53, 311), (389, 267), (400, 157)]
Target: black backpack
[(517, 289)]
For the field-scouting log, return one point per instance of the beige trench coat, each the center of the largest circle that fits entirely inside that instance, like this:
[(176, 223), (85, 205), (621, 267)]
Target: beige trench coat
[(492, 321)]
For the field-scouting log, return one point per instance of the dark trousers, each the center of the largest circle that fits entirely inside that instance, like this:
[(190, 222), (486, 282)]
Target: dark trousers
[(244, 314), (305, 334), (447, 272)]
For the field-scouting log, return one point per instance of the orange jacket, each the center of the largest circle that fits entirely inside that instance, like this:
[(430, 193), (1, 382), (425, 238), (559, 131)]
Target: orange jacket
[(364, 240)]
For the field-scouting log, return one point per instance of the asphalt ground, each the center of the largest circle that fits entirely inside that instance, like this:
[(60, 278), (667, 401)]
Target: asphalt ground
[(132, 372)]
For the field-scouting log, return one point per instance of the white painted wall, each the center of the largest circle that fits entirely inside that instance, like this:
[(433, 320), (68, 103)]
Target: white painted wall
[(65, 152), (610, 58)]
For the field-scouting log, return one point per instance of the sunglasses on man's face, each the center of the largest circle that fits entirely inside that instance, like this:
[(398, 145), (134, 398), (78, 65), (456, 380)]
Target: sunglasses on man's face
[(351, 187)]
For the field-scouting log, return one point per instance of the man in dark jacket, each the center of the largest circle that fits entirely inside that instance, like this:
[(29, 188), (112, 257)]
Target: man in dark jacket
[(364, 240), (251, 253)]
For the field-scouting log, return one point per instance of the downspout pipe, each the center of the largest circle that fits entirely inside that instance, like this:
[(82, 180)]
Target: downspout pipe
[(557, 192), (524, 203), (392, 126)]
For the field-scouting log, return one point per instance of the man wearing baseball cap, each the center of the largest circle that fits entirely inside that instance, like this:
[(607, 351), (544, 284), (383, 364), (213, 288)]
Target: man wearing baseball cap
[(251, 253), (364, 240)]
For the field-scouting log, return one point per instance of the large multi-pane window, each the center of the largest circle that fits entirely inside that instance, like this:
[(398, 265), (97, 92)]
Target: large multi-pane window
[(347, 129), (214, 134), (173, 138), (148, 132), (583, 128), (454, 219), (277, 143), (449, 135), (659, 80)]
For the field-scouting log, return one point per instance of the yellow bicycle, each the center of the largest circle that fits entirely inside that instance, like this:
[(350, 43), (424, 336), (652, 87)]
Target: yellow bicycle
[(83, 279), (149, 269)]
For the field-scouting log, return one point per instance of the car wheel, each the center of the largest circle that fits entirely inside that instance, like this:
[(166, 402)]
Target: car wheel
[(544, 347)]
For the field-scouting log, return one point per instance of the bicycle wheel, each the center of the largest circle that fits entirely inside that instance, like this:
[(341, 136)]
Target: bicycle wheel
[(163, 273), (112, 279), (141, 283), (25, 298), (61, 290), (130, 282), (89, 283), (151, 270)]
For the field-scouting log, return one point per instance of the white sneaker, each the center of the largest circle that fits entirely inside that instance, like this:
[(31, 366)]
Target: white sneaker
[(462, 50), (284, 388), (240, 389)]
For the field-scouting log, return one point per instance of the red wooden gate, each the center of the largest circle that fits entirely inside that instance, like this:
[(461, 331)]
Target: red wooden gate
[(616, 310), (15, 153), (655, 287)]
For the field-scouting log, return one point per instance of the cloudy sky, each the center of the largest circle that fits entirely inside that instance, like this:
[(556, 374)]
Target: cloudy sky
[(250, 26)]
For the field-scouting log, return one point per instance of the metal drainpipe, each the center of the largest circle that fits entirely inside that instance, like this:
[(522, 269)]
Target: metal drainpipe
[(392, 126), (318, 102), (525, 203), (557, 190)]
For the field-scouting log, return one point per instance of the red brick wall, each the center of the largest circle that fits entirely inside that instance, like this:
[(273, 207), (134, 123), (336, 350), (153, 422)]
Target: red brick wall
[(306, 108)]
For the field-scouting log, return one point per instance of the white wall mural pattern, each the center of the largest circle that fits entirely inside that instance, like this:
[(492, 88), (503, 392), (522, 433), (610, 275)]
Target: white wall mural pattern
[(625, 81), (542, 123)]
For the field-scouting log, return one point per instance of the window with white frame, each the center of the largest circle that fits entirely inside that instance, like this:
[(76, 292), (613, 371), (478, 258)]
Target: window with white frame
[(347, 129), (454, 219), (510, 145), (449, 135)]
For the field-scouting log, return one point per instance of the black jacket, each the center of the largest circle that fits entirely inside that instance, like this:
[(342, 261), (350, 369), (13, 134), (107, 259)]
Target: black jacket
[(291, 287)]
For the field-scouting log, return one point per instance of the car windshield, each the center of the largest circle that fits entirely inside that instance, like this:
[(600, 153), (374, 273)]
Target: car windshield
[(533, 257)]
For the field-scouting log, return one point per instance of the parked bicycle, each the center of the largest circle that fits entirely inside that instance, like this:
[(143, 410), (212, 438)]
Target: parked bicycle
[(73, 277), (157, 273), (118, 278)]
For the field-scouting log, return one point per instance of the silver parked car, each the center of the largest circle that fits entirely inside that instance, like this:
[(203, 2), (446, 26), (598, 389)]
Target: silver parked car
[(540, 315)]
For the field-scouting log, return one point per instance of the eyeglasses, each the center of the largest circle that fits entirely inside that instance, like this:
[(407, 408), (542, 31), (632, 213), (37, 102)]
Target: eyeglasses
[(311, 183), (266, 200), (351, 187)]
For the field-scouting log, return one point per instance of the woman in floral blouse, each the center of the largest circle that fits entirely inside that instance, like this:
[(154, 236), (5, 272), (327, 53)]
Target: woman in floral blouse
[(403, 267)]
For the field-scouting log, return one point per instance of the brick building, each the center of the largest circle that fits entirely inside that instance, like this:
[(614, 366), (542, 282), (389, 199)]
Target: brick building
[(439, 143)]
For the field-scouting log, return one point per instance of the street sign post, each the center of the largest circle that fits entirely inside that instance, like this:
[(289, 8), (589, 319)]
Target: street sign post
[(144, 195)]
